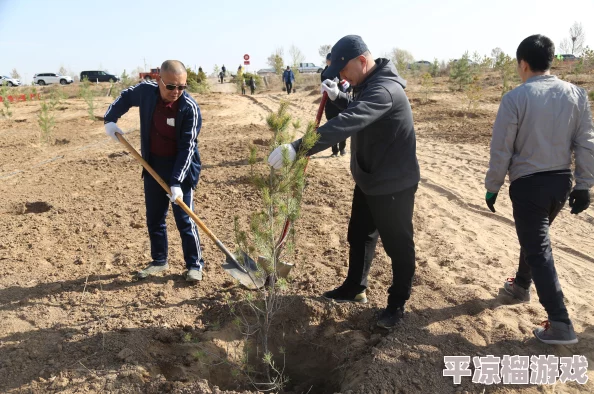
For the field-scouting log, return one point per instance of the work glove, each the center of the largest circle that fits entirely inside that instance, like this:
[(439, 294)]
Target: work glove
[(331, 88), (111, 129), (176, 192), (579, 200), (490, 198), (276, 157)]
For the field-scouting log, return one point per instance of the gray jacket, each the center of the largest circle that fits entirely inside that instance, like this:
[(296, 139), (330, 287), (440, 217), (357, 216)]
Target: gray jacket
[(379, 120), (537, 127)]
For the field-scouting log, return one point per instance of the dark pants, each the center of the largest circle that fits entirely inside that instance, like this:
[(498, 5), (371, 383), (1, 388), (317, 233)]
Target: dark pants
[(157, 206), (390, 217), (536, 201), (338, 147), (243, 90), (289, 87), (252, 90)]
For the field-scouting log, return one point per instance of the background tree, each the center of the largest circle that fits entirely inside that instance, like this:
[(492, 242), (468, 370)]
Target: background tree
[(15, 74), (401, 58), (495, 53), (460, 72), (575, 43), (324, 50), (506, 66), (275, 60), (296, 56)]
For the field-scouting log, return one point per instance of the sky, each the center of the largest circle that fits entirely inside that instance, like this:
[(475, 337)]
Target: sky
[(41, 36)]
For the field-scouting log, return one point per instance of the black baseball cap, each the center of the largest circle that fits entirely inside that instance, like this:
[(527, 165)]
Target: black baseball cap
[(329, 56), (345, 50)]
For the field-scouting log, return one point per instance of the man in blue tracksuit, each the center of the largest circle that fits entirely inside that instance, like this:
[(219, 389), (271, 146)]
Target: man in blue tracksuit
[(288, 79), (170, 122)]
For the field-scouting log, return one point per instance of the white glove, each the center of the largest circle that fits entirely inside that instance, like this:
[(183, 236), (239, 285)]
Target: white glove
[(331, 88), (176, 192), (111, 129), (276, 157)]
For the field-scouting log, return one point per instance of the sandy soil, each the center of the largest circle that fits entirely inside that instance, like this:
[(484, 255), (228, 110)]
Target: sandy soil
[(74, 320)]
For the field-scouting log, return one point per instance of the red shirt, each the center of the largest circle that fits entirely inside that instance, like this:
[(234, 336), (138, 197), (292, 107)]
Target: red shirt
[(162, 137)]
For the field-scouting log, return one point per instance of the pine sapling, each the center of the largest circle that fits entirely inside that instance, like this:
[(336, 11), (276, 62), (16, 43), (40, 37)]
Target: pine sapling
[(281, 192), (87, 94), (6, 111), (474, 92), (427, 84), (46, 122)]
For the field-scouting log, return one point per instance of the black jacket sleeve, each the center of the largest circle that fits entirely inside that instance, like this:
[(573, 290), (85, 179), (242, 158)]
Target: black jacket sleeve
[(371, 104)]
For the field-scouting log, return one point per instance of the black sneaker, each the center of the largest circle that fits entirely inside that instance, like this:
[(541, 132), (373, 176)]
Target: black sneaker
[(343, 294), (390, 317)]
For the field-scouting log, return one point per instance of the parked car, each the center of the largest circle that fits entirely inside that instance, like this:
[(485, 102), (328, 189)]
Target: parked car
[(98, 76), (421, 64), (49, 78), (569, 58), (309, 68), (153, 74), (4, 80)]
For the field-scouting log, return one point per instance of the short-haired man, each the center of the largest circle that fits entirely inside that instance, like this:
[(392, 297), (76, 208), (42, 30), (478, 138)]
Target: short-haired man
[(384, 165), (538, 126), (170, 121)]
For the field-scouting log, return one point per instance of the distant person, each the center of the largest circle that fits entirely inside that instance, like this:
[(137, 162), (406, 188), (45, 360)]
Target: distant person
[(332, 110), (200, 69), (243, 84), (240, 69), (224, 70), (252, 85), (538, 127), (288, 79), (222, 76), (170, 122)]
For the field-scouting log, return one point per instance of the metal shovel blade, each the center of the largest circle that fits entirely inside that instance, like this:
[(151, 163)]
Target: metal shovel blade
[(246, 271)]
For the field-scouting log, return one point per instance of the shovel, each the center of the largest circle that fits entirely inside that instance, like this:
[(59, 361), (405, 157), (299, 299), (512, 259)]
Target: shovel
[(287, 226), (246, 271)]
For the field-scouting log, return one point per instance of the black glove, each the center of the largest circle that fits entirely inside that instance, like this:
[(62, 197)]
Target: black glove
[(579, 200), (490, 198)]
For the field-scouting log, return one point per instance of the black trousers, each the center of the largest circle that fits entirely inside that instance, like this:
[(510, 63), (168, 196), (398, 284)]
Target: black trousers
[(338, 147), (390, 217), (157, 206), (289, 87), (536, 201)]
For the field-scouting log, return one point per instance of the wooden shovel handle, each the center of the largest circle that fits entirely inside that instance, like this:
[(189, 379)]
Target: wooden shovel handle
[(178, 201)]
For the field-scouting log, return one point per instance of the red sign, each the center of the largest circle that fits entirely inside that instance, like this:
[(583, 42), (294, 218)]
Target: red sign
[(246, 57), (246, 63)]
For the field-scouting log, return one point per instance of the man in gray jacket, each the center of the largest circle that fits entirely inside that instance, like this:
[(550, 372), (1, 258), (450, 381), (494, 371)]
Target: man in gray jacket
[(384, 166), (538, 126)]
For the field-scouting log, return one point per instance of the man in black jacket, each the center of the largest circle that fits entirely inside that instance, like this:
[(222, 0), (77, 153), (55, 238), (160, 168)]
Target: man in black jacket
[(332, 111), (384, 166)]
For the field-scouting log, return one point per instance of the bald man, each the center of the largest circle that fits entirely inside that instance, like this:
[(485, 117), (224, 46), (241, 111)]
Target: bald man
[(170, 121)]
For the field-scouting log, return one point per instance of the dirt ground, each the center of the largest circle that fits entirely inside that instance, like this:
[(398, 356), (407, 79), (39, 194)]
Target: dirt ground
[(74, 320)]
